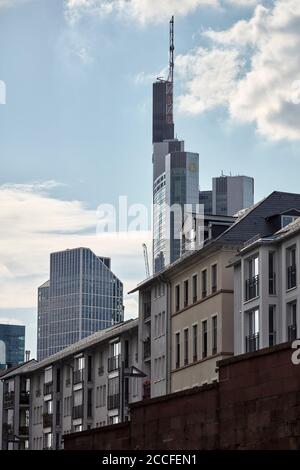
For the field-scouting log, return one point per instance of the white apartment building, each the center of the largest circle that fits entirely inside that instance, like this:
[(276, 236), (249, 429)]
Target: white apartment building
[(86, 385), (267, 287)]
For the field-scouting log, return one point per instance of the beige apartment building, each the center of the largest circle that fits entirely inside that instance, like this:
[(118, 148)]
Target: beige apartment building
[(201, 315)]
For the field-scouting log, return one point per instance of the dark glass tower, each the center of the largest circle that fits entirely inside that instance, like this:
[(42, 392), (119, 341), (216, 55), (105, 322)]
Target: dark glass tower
[(81, 297), (12, 345), (161, 128)]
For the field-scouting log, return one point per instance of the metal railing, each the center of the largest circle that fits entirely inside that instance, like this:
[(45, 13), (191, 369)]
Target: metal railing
[(252, 342), (113, 401), (78, 376), (252, 288), (291, 276), (9, 399), (292, 332), (114, 363), (48, 388)]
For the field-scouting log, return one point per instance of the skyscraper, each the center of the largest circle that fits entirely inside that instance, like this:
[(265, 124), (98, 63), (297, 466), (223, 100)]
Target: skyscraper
[(175, 172), (82, 296), (12, 345), (230, 194)]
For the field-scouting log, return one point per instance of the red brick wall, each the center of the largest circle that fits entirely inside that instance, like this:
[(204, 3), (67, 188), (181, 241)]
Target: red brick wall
[(256, 405)]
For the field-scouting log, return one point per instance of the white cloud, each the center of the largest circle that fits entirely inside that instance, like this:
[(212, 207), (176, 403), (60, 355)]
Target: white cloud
[(266, 92), (33, 224)]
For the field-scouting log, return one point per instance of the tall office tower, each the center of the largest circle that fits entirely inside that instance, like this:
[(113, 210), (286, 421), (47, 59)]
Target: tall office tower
[(205, 199), (81, 297), (12, 345), (230, 194), (175, 172)]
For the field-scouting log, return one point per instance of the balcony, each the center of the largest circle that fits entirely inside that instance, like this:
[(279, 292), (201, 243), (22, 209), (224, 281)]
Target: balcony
[(113, 401), (252, 343), (24, 398), (146, 390), (9, 399), (114, 363), (47, 420), (147, 348), (272, 338), (48, 388), (24, 431), (78, 376), (77, 412), (147, 310), (292, 332), (291, 277), (272, 284), (252, 288)]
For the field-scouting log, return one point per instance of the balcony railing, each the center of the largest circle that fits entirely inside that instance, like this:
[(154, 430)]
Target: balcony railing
[(24, 430), (48, 388), (292, 332), (146, 390), (252, 343), (77, 412), (78, 376), (47, 420), (24, 398), (272, 338), (272, 284), (252, 288), (291, 277), (147, 348), (147, 310), (114, 363), (9, 399), (113, 401)]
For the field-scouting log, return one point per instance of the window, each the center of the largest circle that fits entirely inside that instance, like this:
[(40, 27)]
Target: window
[(101, 396), (48, 375), (287, 219), (252, 279), (186, 293), (204, 283), (195, 287), (214, 334), (186, 346), (195, 343), (177, 298), (272, 278), (204, 339), (252, 340), (214, 278), (272, 323), (177, 350), (291, 268), (292, 321)]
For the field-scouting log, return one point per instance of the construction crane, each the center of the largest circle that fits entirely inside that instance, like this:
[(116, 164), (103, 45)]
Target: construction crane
[(170, 80), (146, 260)]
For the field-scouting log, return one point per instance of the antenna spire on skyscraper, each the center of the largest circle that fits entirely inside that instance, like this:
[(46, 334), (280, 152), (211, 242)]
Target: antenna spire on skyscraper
[(170, 81)]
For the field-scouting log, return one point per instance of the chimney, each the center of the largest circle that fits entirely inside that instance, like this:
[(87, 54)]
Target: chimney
[(27, 356)]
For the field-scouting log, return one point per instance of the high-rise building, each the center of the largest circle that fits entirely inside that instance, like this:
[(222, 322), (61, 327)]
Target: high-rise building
[(175, 173), (81, 297), (230, 194), (12, 345), (205, 198)]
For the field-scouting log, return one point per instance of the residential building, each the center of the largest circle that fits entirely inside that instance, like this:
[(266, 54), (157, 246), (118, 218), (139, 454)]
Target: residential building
[(86, 385), (230, 194), (82, 296), (266, 286), (12, 345)]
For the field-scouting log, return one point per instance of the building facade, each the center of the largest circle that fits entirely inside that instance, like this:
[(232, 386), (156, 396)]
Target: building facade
[(266, 287), (87, 385), (12, 345), (82, 296), (230, 194)]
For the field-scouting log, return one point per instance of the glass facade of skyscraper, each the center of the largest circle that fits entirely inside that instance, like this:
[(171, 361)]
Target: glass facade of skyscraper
[(12, 345), (81, 297)]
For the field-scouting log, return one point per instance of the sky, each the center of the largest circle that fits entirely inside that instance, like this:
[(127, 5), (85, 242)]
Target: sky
[(75, 129)]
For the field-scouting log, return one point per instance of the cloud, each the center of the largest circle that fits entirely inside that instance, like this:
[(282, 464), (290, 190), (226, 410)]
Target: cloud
[(33, 224), (11, 3), (258, 80)]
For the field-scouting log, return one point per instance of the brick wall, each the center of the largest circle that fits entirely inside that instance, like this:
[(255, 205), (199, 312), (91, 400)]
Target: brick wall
[(256, 405)]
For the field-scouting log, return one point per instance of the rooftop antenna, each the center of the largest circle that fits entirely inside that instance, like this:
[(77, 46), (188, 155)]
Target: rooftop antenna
[(170, 81)]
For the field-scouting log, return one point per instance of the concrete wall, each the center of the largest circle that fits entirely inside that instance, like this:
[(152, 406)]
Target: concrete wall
[(256, 405)]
